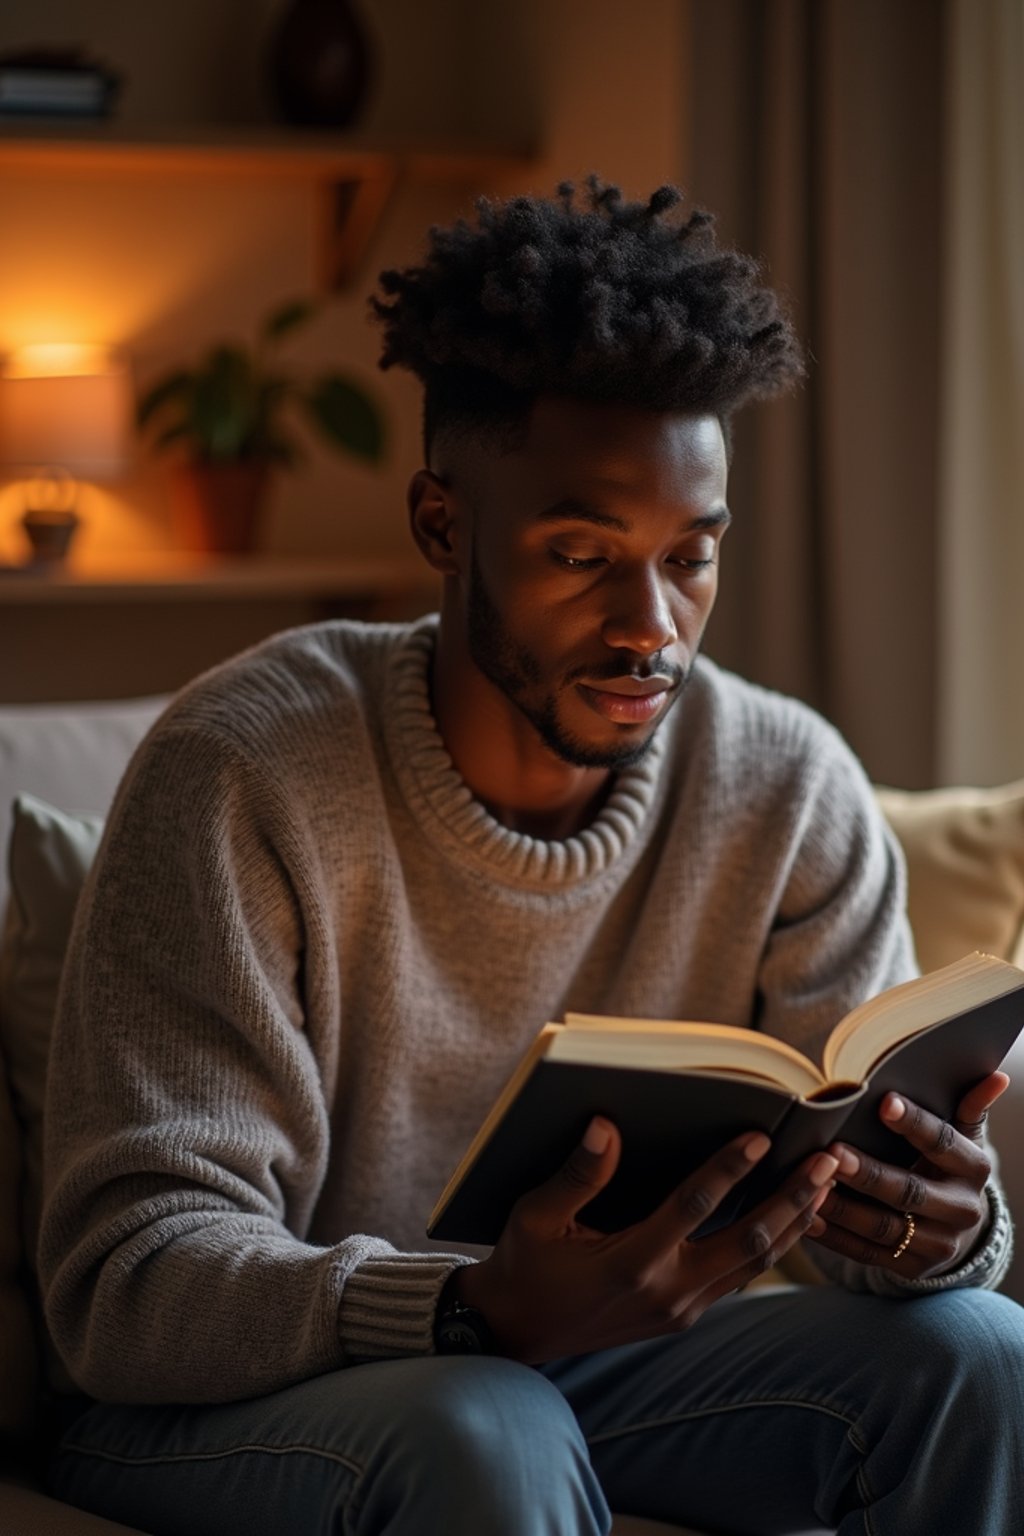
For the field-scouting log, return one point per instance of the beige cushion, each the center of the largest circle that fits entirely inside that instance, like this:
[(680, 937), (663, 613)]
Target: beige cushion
[(965, 865)]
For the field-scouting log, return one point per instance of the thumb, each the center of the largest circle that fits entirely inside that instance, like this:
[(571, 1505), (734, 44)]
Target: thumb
[(974, 1106), (553, 1205)]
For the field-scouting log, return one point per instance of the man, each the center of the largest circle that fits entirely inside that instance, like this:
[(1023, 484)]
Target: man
[(350, 874)]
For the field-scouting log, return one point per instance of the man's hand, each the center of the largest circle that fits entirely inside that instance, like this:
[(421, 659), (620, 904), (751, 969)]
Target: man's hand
[(865, 1218), (553, 1286)]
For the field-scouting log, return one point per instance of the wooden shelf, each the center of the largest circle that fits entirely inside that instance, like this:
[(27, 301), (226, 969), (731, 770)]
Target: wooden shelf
[(198, 578), (353, 176), (147, 624)]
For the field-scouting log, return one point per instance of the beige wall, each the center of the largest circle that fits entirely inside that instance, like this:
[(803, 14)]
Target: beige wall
[(164, 265)]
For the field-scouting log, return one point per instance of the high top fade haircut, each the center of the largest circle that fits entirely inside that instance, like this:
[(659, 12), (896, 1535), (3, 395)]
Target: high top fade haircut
[(587, 296)]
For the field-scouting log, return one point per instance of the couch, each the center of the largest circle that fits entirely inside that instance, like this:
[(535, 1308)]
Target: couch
[(965, 852)]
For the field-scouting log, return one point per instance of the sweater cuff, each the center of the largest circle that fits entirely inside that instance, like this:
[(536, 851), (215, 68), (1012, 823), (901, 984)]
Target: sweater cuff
[(983, 1270), (388, 1304)]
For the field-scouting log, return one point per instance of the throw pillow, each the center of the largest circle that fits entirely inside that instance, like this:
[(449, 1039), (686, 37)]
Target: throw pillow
[(49, 858), (965, 867)]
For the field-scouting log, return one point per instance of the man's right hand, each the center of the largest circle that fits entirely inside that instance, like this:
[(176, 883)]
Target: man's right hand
[(552, 1286)]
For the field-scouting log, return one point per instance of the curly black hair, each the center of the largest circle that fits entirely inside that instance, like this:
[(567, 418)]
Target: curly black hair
[(587, 296)]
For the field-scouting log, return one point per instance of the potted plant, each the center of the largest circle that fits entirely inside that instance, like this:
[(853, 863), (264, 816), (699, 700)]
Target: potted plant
[(230, 414)]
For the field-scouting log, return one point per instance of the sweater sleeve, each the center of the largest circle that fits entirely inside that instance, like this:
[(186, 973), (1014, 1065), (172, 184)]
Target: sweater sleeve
[(841, 935), (187, 1121)]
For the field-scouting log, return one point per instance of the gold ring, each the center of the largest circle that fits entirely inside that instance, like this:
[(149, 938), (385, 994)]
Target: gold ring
[(908, 1235)]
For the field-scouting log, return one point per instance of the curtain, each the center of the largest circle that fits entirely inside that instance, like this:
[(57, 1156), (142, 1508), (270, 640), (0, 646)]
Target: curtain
[(815, 131), (981, 738)]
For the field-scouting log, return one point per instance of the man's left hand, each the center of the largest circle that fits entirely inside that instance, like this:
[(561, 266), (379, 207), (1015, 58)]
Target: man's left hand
[(938, 1204)]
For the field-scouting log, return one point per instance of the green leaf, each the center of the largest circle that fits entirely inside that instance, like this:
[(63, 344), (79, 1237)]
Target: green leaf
[(232, 407), (347, 417), (173, 388), (287, 316), (223, 414)]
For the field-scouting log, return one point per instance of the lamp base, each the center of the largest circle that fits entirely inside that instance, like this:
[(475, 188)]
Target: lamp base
[(49, 534)]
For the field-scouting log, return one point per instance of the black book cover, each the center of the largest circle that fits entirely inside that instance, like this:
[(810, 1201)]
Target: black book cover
[(670, 1122)]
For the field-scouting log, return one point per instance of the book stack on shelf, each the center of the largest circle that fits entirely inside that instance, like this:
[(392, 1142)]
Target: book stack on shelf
[(55, 83)]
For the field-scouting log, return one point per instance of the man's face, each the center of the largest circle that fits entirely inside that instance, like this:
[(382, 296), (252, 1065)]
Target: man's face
[(592, 569)]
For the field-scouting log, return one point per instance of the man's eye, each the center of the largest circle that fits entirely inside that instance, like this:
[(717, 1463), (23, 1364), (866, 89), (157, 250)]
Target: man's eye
[(696, 563), (576, 562)]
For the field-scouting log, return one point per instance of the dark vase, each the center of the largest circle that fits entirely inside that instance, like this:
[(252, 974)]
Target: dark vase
[(320, 64)]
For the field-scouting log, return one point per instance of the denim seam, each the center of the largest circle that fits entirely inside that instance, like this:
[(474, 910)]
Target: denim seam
[(865, 1493), (747, 1402), (235, 1450), (855, 1439)]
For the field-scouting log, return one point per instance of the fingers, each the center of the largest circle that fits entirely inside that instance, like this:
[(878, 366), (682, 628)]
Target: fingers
[(919, 1220), (801, 1225), (700, 1195), (972, 1111), (871, 1233), (759, 1240), (946, 1148), (730, 1258), (552, 1208), (872, 1195), (904, 1244)]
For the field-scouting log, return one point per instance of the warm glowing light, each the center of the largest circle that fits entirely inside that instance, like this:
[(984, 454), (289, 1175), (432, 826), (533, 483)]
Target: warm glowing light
[(52, 492), (65, 407), (60, 360)]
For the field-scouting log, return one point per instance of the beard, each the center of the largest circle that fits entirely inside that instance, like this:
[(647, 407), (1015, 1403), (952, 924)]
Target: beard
[(515, 670)]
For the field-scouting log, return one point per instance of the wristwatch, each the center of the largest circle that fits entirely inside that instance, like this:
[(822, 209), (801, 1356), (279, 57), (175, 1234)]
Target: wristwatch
[(458, 1329)]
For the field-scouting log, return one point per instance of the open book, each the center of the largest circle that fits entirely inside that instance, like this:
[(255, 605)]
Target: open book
[(678, 1091)]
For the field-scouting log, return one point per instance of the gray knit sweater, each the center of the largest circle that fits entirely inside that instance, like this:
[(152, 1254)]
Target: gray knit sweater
[(307, 960)]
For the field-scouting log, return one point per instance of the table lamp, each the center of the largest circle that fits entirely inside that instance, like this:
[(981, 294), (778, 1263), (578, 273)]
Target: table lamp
[(64, 415)]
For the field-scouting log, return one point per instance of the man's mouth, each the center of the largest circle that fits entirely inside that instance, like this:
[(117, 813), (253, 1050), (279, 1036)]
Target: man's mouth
[(627, 700)]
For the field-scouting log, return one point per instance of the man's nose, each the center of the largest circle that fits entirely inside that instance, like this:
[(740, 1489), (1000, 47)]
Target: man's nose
[(640, 613)]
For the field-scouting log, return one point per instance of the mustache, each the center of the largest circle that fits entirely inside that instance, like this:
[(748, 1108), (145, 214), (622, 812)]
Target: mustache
[(614, 671)]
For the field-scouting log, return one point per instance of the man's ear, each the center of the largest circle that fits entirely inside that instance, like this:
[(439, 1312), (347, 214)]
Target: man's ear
[(434, 521)]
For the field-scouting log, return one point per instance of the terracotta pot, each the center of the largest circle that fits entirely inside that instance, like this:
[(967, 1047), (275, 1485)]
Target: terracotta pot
[(217, 507)]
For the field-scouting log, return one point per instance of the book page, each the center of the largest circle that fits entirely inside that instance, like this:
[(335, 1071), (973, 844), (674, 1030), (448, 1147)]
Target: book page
[(869, 1032), (676, 1047)]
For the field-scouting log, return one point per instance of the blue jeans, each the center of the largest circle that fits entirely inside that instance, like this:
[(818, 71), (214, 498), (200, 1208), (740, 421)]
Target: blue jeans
[(776, 1412)]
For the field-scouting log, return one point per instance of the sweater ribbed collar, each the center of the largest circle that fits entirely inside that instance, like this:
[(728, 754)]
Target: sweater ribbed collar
[(446, 807)]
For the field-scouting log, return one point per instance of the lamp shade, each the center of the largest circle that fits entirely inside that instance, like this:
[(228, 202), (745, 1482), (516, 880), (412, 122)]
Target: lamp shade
[(66, 408)]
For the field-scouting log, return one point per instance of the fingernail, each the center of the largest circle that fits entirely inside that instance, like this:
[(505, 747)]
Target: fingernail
[(849, 1162), (822, 1195), (816, 1227), (823, 1167), (597, 1136), (756, 1146), (894, 1107)]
